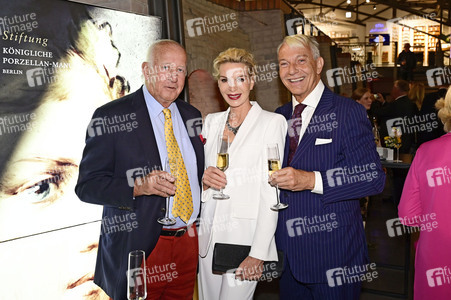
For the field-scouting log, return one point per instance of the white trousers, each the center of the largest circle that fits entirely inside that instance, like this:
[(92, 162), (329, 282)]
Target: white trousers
[(221, 287)]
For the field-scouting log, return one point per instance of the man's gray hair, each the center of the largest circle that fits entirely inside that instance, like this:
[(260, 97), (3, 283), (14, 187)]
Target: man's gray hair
[(301, 41)]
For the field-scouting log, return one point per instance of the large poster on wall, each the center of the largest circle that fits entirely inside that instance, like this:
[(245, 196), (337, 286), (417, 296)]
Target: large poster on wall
[(60, 60)]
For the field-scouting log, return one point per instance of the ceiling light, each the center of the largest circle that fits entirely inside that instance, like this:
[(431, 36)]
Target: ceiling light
[(348, 1), (348, 14), (374, 7), (367, 1)]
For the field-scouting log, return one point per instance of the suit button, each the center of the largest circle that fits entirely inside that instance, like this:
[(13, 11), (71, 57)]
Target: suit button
[(163, 209)]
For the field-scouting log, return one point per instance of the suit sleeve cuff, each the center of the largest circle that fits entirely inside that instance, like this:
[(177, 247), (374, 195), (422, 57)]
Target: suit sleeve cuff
[(318, 189)]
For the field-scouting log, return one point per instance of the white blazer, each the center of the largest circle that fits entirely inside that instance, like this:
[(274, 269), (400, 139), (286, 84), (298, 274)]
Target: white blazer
[(245, 218)]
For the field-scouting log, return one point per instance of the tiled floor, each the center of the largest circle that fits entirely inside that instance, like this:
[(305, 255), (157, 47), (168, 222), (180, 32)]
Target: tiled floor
[(387, 252)]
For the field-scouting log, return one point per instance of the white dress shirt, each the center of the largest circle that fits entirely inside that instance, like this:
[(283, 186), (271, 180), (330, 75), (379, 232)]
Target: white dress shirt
[(311, 102)]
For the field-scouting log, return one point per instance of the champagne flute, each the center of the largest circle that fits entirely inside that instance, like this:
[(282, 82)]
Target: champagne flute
[(274, 165), (222, 162), (167, 221), (136, 275)]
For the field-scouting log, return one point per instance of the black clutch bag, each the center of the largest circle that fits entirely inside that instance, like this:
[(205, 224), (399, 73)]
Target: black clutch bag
[(229, 256)]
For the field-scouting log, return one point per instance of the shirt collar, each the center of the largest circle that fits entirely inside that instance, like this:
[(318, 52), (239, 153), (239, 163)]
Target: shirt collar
[(153, 106), (313, 98), (400, 97)]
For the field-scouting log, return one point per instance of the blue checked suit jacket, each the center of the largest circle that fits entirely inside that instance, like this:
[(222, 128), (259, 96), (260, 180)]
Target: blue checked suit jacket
[(103, 180), (331, 232)]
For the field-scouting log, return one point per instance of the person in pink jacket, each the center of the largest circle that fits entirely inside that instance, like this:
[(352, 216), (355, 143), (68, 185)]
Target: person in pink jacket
[(426, 205)]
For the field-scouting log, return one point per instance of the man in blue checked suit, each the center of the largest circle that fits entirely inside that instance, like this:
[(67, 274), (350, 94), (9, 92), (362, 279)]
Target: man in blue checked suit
[(330, 162)]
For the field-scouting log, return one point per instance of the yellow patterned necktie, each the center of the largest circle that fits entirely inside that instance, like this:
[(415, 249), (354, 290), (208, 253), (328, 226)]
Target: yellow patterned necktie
[(183, 202)]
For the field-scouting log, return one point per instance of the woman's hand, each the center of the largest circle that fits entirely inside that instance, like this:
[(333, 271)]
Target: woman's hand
[(250, 269), (215, 178)]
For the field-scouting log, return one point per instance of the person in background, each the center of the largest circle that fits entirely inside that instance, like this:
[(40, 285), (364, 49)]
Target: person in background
[(407, 61), (428, 108), (364, 97), (246, 218), (425, 203), (310, 182), (113, 174), (416, 93), (401, 107)]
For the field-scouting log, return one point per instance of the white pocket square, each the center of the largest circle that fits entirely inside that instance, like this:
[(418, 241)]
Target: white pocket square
[(322, 141)]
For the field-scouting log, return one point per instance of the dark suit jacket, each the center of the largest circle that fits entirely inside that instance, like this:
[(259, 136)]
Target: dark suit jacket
[(103, 180), (315, 251), (427, 108), (401, 108)]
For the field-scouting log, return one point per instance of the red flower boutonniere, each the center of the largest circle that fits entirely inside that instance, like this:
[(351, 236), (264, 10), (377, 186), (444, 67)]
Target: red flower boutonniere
[(202, 139)]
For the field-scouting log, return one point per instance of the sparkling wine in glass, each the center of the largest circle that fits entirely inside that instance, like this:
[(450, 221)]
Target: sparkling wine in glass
[(136, 275), (222, 162), (167, 221), (274, 165)]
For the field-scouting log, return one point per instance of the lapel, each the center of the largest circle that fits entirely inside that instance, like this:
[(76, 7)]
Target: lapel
[(198, 146), (308, 139), (245, 128), (145, 130), (286, 110)]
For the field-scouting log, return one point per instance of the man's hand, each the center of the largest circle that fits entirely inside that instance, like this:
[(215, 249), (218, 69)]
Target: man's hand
[(215, 178), (158, 183), (250, 269), (293, 180)]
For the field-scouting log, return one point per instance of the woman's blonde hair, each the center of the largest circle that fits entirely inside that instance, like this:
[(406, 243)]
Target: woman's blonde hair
[(234, 55), (444, 113), (416, 93)]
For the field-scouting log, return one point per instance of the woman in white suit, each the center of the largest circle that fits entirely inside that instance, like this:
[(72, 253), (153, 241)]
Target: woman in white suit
[(246, 218)]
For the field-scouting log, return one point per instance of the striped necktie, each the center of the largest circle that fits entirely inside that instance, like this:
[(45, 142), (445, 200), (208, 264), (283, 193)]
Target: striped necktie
[(183, 202), (294, 131)]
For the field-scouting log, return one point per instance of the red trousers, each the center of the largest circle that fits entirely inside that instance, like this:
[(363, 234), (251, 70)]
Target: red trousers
[(172, 267)]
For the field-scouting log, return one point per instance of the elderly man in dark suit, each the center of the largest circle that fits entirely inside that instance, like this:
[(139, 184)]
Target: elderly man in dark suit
[(330, 162), (121, 170)]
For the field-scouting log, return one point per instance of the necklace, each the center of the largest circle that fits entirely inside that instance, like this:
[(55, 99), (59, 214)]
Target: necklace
[(234, 130)]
